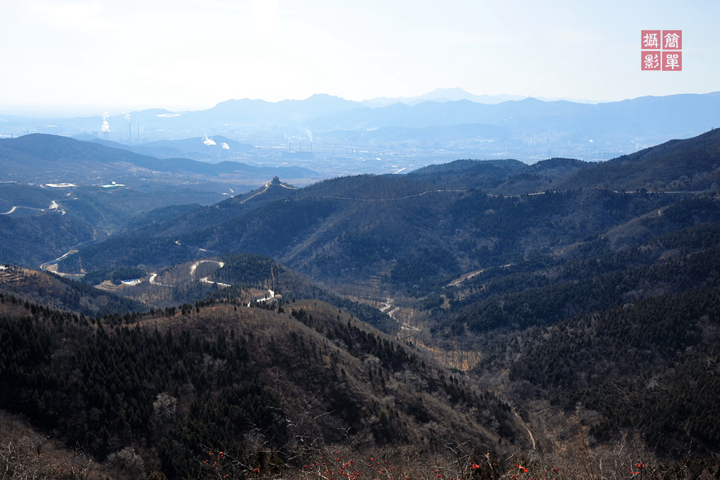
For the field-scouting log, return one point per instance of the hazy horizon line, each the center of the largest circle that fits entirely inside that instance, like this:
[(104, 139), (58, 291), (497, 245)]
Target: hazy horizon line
[(48, 111)]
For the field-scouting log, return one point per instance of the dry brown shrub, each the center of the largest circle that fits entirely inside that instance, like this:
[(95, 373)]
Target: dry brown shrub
[(27, 455)]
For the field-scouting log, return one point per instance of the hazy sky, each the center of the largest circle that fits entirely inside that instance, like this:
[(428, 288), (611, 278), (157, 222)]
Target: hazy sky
[(193, 54)]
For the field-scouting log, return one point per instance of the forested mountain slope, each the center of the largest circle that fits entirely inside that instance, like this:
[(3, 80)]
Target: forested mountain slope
[(424, 228), (264, 386), (677, 165), (40, 288), (162, 222), (42, 222), (354, 228), (630, 334), (584, 318)]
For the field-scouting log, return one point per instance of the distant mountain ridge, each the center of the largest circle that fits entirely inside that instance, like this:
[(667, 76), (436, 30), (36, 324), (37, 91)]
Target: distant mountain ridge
[(246, 111), (441, 95), (684, 114), (528, 126), (678, 115)]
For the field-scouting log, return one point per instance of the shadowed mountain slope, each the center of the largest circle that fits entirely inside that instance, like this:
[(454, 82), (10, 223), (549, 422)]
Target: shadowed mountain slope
[(165, 222), (49, 290), (358, 227), (677, 165), (265, 385)]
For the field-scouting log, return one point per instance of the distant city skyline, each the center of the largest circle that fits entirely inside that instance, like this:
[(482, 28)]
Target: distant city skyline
[(91, 56)]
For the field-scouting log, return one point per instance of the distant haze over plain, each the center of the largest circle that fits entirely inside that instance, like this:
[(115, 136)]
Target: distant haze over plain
[(334, 136)]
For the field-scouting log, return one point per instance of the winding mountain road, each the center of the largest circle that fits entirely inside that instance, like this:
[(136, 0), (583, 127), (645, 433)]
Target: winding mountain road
[(194, 266), (54, 207)]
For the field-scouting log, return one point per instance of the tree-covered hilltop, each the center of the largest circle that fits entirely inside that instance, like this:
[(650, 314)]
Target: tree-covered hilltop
[(248, 270), (41, 288), (114, 275), (267, 385), (677, 165)]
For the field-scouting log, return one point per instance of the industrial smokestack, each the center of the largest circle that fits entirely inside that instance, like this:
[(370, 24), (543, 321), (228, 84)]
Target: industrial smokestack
[(105, 125)]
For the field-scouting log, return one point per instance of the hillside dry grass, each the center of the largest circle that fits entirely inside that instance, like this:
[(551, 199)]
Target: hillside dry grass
[(26, 454)]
